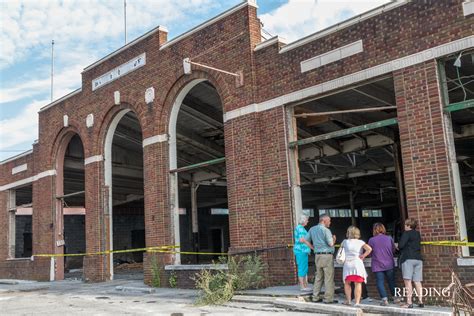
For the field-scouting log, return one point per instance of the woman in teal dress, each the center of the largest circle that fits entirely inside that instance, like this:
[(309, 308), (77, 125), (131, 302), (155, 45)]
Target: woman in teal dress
[(301, 251)]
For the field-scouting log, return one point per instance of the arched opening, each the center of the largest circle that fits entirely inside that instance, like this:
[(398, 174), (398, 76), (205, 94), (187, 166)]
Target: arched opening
[(70, 219), (124, 177), (198, 173)]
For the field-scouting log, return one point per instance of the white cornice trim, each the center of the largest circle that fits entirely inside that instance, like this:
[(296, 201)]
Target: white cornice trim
[(20, 168), (269, 42), (252, 3), (344, 24), (155, 139), (26, 153), (252, 108), (93, 159), (121, 49), (332, 56), (67, 96), (21, 182), (388, 67)]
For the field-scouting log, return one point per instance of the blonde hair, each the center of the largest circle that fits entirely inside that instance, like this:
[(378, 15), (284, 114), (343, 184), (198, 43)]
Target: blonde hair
[(353, 232)]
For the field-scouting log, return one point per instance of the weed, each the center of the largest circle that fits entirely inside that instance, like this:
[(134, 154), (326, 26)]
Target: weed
[(155, 273)]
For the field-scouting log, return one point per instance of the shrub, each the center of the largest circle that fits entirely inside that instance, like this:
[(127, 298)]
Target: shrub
[(249, 271), (215, 287), (218, 286)]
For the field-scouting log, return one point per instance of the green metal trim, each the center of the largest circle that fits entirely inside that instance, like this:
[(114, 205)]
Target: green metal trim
[(344, 132), (453, 107), (199, 165)]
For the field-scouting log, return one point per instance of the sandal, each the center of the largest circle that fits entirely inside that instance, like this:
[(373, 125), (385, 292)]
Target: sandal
[(346, 303), (407, 306)]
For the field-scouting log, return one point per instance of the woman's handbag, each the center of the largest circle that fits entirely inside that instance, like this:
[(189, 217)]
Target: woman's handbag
[(341, 254)]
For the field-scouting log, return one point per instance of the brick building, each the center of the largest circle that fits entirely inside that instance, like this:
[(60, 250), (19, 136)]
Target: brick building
[(368, 120)]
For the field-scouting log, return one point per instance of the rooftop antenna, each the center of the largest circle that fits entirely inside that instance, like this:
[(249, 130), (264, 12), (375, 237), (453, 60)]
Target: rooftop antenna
[(125, 19), (52, 68)]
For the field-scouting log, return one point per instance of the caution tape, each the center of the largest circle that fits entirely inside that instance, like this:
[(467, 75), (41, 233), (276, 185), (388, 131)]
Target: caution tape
[(106, 252), (449, 243), (193, 252), (171, 249)]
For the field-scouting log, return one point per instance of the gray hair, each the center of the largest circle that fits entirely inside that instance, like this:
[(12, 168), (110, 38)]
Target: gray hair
[(322, 217), (303, 218)]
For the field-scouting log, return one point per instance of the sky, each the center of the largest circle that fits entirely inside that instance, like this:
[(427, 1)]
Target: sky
[(84, 31)]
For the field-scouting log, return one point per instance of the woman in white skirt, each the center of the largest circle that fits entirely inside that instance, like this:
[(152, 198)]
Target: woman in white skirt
[(354, 270)]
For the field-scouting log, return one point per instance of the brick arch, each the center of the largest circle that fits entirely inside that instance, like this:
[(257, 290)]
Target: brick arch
[(168, 121), (58, 152), (99, 143), (61, 142), (217, 80)]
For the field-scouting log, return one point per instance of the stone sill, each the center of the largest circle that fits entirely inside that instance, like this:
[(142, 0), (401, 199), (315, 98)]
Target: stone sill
[(466, 262), (195, 267), (19, 259)]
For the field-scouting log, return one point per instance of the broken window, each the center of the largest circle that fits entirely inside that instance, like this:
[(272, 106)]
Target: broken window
[(20, 222), (346, 146), (457, 83)]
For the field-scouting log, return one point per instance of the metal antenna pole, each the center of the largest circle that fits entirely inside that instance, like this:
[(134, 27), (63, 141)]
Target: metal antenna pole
[(125, 18), (52, 68)]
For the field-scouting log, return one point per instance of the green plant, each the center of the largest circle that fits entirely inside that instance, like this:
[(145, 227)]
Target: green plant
[(215, 287), (218, 286), (248, 271), (173, 279), (155, 273)]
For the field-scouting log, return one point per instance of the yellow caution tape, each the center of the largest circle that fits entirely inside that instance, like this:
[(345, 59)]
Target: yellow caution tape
[(193, 252), (449, 243), (105, 252), (170, 249)]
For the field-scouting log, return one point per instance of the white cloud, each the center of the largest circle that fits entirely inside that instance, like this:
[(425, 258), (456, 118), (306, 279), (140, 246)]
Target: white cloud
[(29, 23), (299, 18), (65, 81), (21, 128), (84, 31)]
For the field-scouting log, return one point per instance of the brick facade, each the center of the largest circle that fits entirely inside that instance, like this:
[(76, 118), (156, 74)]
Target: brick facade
[(258, 181)]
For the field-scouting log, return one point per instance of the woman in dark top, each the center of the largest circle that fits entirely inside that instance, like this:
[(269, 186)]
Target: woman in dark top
[(411, 261)]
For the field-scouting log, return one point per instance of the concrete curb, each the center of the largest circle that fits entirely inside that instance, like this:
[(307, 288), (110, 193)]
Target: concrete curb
[(253, 299), (16, 282), (332, 309), (135, 289), (404, 311), (337, 309)]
